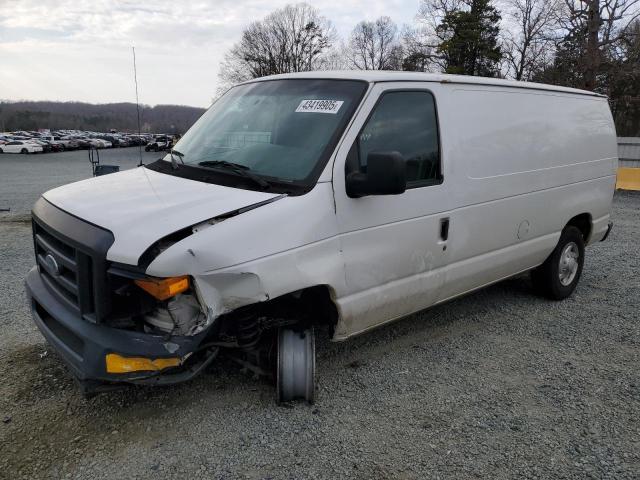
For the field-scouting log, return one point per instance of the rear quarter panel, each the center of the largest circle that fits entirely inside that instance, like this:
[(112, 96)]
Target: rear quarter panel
[(523, 163)]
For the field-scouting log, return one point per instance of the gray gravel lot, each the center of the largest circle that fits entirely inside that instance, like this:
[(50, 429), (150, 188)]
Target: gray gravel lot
[(498, 384)]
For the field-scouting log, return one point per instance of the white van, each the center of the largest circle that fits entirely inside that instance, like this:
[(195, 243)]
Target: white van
[(343, 200)]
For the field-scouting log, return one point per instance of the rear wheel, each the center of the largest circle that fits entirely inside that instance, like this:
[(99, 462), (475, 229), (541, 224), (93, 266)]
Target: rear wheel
[(558, 276), (1, 151), (296, 365), (24, 151)]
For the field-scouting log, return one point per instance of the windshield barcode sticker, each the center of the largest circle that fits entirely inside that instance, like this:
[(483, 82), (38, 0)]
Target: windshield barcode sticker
[(319, 106)]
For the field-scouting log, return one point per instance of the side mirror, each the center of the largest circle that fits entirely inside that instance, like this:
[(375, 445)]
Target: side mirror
[(386, 175)]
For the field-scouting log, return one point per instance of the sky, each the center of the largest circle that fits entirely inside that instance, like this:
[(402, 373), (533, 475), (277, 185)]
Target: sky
[(80, 50)]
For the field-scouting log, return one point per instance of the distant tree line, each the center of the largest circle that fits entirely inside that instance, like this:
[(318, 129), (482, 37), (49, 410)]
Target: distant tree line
[(588, 44), (102, 117)]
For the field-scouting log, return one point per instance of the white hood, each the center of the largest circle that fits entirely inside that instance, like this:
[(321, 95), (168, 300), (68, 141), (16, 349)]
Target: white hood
[(140, 206)]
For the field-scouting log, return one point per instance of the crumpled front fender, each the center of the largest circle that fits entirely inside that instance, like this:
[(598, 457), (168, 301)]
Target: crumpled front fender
[(225, 292)]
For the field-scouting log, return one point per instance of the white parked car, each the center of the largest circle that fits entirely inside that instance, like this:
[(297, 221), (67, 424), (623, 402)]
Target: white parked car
[(20, 146), (319, 200), (98, 143)]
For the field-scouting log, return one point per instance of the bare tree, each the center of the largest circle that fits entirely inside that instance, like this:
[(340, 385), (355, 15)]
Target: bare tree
[(291, 39), (596, 28), (432, 12), (418, 50), (375, 45), (624, 84), (529, 45)]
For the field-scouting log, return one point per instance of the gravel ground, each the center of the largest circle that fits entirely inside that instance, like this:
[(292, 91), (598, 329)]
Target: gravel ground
[(498, 384)]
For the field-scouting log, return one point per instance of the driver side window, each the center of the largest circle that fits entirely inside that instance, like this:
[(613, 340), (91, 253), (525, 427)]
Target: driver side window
[(405, 122)]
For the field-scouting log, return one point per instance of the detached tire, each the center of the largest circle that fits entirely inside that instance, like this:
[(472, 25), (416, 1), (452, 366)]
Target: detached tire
[(296, 366), (558, 276)]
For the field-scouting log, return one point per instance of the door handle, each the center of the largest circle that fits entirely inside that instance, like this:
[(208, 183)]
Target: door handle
[(444, 229)]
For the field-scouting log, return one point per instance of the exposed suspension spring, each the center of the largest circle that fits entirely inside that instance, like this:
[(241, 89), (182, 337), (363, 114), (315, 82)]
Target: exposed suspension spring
[(249, 331)]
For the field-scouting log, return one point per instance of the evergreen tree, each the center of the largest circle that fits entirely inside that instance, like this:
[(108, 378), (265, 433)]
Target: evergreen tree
[(470, 45)]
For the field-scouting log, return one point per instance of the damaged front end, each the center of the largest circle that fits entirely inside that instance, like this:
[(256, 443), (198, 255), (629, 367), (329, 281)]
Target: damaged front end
[(114, 324), (138, 339)]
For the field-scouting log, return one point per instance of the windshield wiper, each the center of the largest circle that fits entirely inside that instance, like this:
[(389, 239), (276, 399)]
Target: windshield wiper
[(241, 170), (178, 154)]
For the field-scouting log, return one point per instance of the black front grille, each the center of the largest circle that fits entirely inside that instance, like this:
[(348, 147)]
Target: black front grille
[(72, 266), (71, 258)]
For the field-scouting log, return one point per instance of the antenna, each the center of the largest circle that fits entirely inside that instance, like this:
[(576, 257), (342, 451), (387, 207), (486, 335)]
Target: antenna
[(135, 78)]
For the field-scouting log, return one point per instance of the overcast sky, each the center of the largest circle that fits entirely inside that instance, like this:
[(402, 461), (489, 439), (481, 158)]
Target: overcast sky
[(81, 49)]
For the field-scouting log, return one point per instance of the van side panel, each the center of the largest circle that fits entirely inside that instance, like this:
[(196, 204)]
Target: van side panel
[(525, 163), (511, 142)]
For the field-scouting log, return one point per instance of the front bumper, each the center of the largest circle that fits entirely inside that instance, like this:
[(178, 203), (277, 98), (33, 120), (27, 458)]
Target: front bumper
[(84, 345)]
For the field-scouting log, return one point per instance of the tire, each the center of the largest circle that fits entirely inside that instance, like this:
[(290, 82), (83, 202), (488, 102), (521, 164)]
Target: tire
[(24, 151), (296, 366), (559, 275), (1, 151)]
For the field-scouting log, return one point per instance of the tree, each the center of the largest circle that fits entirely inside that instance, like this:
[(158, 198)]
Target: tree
[(375, 46), (623, 83), (530, 46), (470, 40), (291, 39), (421, 42), (25, 115), (595, 31), (418, 52)]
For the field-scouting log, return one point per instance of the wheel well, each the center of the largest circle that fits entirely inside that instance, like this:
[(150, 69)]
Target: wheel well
[(315, 305), (583, 223), (312, 306)]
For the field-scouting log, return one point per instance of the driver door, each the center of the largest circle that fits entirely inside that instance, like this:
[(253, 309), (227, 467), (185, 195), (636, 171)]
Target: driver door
[(394, 247)]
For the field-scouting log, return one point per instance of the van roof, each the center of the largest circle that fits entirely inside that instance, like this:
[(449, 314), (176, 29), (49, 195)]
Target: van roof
[(374, 76)]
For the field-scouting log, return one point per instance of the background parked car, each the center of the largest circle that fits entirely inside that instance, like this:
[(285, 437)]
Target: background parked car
[(46, 146), (20, 146), (99, 143), (68, 143), (56, 145), (161, 142), (83, 143)]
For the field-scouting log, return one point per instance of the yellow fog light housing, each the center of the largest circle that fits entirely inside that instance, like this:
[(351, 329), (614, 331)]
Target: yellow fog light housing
[(120, 364), (164, 288)]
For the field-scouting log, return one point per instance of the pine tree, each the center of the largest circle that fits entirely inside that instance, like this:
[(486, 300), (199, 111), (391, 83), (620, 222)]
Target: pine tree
[(470, 45)]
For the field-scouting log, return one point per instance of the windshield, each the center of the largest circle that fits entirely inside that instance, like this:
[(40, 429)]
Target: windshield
[(280, 129)]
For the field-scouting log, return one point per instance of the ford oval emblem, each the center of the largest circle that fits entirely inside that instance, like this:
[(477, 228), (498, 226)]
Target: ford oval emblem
[(52, 264)]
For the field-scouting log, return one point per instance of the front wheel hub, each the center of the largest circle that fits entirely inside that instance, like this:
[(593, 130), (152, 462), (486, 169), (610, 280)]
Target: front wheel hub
[(296, 365)]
